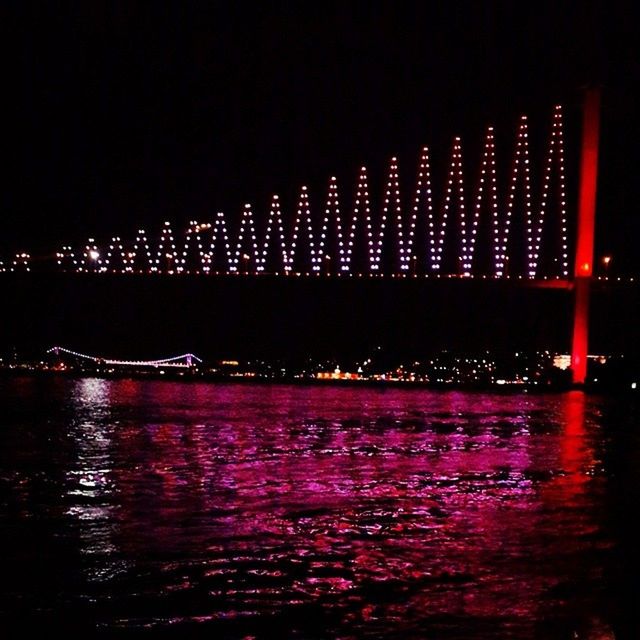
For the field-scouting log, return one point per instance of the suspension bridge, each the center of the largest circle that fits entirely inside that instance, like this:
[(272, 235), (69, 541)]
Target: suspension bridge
[(501, 227), (183, 361), (510, 226)]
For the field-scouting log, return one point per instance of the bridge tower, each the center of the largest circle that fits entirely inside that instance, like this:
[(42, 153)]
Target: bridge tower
[(585, 234)]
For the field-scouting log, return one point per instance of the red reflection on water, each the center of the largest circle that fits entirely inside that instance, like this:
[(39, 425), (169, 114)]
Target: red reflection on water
[(576, 456)]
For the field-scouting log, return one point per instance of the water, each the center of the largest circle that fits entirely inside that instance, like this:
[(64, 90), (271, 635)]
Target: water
[(166, 509)]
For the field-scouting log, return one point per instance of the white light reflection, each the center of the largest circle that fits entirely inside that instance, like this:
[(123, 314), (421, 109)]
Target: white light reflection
[(89, 485)]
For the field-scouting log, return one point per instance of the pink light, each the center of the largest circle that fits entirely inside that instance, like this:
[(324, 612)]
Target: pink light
[(329, 243)]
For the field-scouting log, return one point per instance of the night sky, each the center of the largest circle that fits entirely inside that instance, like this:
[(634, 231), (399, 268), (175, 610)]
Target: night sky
[(122, 114), (125, 113)]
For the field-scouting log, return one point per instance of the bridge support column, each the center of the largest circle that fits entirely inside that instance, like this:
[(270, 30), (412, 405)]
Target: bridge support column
[(585, 234), (580, 347)]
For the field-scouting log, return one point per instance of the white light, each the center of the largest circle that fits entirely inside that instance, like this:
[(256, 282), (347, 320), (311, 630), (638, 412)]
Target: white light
[(93, 254)]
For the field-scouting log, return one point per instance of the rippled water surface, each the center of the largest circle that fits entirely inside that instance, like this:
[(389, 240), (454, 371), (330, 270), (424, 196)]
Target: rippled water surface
[(166, 509)]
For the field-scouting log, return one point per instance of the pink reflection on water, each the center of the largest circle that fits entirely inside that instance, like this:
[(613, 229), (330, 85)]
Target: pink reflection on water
[(445, 503)]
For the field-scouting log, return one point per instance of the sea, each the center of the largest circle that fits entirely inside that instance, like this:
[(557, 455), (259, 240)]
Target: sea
[(138, 508)]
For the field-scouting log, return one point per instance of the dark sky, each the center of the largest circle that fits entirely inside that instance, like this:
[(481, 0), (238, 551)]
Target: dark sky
[(118, 114)]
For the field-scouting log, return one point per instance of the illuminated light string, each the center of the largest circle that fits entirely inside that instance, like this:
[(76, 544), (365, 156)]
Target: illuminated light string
[(394, 202), (67, 257), (140, 249), (555, 150), (454, 190), (391, 199), (193, 244), (219, 242), (162, 361), (303, 215), (462, 216), (166, 251), (361, 205), (487, 187), (422, 193), (248, 231), (92, 258), (20, 262), (520, 168), (331, 210), (376, 255), (189, 237), (274, 224), (450, 223), (115, 252)]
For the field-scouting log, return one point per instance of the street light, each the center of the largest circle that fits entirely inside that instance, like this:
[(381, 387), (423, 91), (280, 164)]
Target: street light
[(245, 258), (606, 261)]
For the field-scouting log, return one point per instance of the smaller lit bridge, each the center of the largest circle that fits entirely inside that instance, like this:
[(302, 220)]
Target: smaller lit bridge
[(183, 361)]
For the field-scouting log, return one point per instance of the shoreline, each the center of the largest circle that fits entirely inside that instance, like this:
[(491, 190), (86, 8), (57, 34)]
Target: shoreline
[(194, 376)]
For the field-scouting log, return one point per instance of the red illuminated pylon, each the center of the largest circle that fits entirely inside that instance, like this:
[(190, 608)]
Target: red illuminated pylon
[(585, 236)]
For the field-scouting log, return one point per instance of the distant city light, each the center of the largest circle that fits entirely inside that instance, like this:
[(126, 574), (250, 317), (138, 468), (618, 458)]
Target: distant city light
[(562, 361)]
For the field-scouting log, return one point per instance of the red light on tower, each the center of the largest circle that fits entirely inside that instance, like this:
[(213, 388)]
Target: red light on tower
[(585, 235)]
